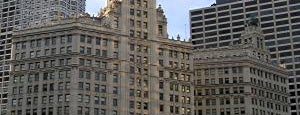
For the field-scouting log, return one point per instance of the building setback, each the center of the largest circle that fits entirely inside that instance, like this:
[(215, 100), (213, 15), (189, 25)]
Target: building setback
[(20, 14), (239, 79), (222, 23), (119, 63)]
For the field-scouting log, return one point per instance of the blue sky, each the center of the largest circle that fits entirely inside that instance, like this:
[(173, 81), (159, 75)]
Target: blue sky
[(177, 12)]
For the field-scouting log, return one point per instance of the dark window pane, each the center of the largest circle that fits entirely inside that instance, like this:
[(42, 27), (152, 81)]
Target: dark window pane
[(272, 49), (280, 4), (224, 37), (251, 14), (209, 10), (296, 46), (211, 40), (267, 24), (210, 16), (281, 16), (267, 12), (210, 22), (285, 54), (264, 1), (236, 35), (238, 23), (282, 28), (251, 9), (292, 8), (296, 39), (288, 60), (263, 19), (268, 37), (223, 13), (196, 12), (266, 31), (294, 1), (224, 26), (224, 19), (210, 33), (237, 17), (296, 52), (238, 29), (281, 10), (295, 20), (297, 26), (250, 3), (197, 36), (266, 6), (224, 44), (223, 8), (282, 22), (296, 33), (197, 30), (237, 11), (224, 31), (271, 43), (295, 14), (281, 48), (283, 35), (196, 18), (210, 28), (239, 5), (197, 24), (273, 56), (198, 42), (285, 41)]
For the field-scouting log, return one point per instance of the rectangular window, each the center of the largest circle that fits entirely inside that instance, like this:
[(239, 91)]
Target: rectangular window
[(131, 12), (69, 39), (62, 40), (82, 38), (89, 39), (98, 41)]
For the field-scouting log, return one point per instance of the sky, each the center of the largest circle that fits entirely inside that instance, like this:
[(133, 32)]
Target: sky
[(177, 13)]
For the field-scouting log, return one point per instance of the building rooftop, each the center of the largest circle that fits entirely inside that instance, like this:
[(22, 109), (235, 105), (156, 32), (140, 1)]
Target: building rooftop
[(225, 1)]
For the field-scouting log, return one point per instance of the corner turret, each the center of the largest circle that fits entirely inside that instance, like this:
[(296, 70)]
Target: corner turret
[(252, 36), (161, 23)]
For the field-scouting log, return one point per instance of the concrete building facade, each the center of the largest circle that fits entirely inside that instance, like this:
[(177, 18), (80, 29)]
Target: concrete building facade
[(221, 24), (20, 14), (240, 79), (118, 63)]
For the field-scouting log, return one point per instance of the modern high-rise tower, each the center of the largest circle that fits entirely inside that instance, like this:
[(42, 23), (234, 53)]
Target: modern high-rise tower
[(222, 24), (20, 14)]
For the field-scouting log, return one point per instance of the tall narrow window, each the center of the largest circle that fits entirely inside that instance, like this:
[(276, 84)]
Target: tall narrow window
[(160, 29)]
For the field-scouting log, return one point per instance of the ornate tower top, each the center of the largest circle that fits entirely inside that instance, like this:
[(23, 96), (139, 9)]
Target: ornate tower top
[(136, 18), (253, 36), (139, 19), (252, 31), (159, 9), (253, 21), (111, 6)]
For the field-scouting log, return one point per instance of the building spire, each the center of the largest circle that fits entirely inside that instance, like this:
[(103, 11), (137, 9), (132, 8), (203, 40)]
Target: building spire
[(253, 21)]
